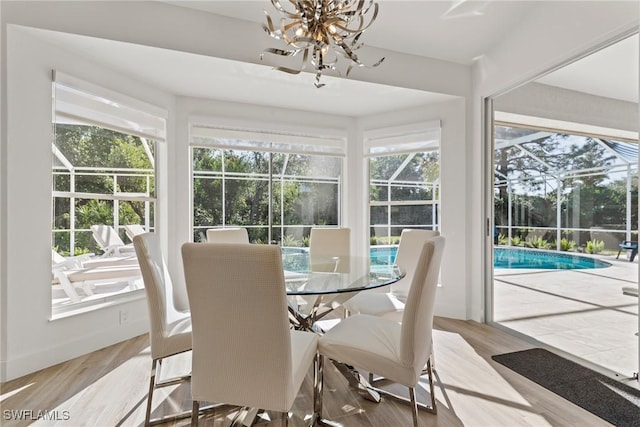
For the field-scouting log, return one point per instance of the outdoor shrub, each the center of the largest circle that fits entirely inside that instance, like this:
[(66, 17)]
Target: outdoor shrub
[(502, 239), (392, 240), (537, 242), (290, 240), (594, 246), (566, 244), (516, 241)]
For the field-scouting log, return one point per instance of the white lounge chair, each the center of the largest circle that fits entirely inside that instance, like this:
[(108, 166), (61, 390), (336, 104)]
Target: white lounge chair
[(110, 242), (86, 279), (90, 261), (133, 230)]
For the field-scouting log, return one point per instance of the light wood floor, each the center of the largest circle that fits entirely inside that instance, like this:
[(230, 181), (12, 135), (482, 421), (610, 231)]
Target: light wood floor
[(108, 388)]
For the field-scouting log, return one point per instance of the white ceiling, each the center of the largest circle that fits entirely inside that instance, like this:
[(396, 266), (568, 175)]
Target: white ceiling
[(611, 72), (419, 27), (461, 31), (427, 28)]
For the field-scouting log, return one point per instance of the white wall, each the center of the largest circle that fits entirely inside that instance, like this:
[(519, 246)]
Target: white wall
[(30, 339), (551, 35), (3, 193)]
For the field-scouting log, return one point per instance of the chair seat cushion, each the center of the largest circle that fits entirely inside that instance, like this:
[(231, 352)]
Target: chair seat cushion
[(370, 343), (177, 338), (374, 303)]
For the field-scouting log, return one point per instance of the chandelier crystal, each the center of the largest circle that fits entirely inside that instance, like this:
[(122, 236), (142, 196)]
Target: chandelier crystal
[(323, 31)]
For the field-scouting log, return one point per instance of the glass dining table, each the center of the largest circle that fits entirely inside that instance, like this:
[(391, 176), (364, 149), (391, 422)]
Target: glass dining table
[(314, 294)]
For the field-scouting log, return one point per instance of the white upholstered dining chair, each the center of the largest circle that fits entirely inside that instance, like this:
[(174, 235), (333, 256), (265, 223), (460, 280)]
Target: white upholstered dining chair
[(397, 351), (170, 330), (389, 304), (330, 249), (228, 235), (244, 352)]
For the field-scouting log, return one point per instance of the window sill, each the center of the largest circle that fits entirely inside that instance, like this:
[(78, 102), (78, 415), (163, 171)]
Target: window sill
[(76, 309)]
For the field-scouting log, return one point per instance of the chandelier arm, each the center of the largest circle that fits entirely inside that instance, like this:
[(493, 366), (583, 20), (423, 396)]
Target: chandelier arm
[(270, 29), (281, 9), (282, 52), (354, 57), (288, 70), (362, 26), (350, 12), (290, 25), (303, 39), (349, 68)]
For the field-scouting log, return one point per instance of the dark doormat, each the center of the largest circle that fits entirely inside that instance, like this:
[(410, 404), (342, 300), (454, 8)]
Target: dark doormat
[(607, 398)]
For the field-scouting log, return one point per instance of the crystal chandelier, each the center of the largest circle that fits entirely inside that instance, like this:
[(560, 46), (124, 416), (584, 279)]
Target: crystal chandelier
[(323, 31)]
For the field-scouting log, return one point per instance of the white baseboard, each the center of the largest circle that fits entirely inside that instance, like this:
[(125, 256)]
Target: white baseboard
[(70, 349)]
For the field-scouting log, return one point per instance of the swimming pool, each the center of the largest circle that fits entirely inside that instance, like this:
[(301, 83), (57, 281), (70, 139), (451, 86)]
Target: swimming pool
[(297, 259), (532, 258)]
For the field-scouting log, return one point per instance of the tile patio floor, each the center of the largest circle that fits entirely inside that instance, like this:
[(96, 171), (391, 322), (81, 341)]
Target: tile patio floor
[(580, 312)]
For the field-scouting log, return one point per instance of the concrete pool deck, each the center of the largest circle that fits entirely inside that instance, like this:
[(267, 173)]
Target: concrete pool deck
[(580, 312)]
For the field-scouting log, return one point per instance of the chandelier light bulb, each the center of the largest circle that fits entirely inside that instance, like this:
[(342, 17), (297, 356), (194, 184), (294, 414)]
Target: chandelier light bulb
[(321, 33)]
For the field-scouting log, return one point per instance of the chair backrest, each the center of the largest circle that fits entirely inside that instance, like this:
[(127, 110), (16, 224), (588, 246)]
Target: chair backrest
[(133, 230), (159, 290), (227, 235), (330, 249), (411, 242), (417, 319), (106, 236), (241, 337)]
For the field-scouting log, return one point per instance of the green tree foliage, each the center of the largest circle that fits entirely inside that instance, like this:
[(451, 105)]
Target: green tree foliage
[(408, 177), (534, 168), (103, 149), (233, 187)]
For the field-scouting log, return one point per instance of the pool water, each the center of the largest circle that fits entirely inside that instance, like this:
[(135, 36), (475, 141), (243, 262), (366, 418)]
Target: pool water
[(531, 258), (297, 259), (512, 258)]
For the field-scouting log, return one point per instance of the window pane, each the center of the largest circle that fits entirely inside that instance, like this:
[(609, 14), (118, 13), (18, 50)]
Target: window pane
[(410, 216), (289, 191), (403, 193), (247, 201), (100, 177)]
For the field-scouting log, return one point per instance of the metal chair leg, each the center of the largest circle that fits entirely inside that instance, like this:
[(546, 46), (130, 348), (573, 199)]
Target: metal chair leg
[(414, 406), (432, 393), (195, 412), (318, 384), (152, 384), (431, 409)]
